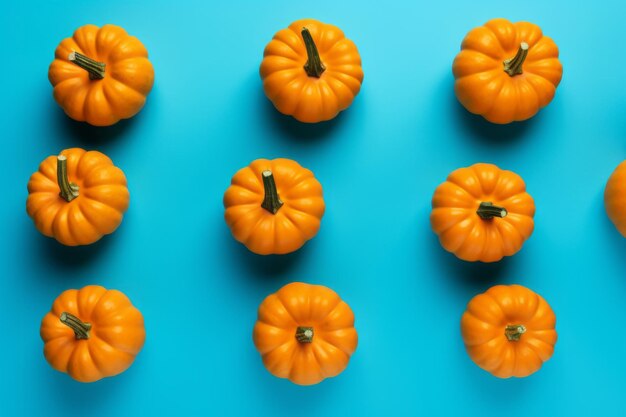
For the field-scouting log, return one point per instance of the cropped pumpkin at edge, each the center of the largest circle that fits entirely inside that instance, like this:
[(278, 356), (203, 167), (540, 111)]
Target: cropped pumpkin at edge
[(482, 213), (274, 206), (305, 333), (509, 331), (311, 71), (77, 197), (101, 75), (506, 71), (92, 333), (615, 198)]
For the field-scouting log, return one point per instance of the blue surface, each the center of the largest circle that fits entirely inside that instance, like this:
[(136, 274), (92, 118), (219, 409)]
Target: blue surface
[(379, 163)]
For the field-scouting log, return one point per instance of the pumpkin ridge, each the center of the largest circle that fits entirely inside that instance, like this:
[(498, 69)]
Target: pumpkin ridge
[(103, 56), (112, 77), (46, 205), (114, 346), (296, 225), (70, 223), (93, 222), (289, 312), (533, 349), (253, 230), (340, 348), (496, 301)]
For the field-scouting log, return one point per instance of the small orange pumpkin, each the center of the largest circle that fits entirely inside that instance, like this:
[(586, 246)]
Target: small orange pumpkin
[(305, 333), (482, 213), (101, 75), (509, 331), (615, 198), (274, 207), (77, 197), (92, 333), (311, 71), (506, 71)]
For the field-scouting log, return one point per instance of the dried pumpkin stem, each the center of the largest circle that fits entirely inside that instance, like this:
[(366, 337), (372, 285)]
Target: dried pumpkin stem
[(271, 202), (81, 329), (304, 334), (513, 332), (314, 66), (69, 190), (93, 67), (488, 211), (513, 66)]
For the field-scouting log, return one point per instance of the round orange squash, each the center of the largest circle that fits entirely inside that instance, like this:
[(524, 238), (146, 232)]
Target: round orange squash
[(274, 207), (506, 71), (482, 213), (101, 75), (77, 197), (615, 198), (311, 71), (92, 333), (305, 333), (509, 331)]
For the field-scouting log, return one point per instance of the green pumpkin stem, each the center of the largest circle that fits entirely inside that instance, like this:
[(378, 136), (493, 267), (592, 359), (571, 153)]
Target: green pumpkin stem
[(513, 332), (488, 211), (304, 334), (314, 66), (69, 190), (81, 329), (271, 202), (93, 67), (513, 66)]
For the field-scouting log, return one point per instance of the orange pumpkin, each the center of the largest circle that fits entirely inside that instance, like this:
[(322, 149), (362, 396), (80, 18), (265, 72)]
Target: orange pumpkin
[(101, 75), (506, 71), (274, 207), (305, 333), (509, 331), (615, 198), (482, 213), (92, 333), (77, 197), (311, 71)]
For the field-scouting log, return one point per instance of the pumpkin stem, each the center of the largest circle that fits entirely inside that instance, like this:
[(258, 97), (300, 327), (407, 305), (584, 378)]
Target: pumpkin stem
[(488, 211), (81, 329), (69, 190), (314, 66), (271, 202), (304, 334), (513, 66), (93, 67), (513, 332)]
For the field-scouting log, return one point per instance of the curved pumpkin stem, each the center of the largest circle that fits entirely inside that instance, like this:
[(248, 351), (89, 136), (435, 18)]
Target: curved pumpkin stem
[(513, 332), (488, 211), (81, 329), (513, 66), (314, 66), (304, 334), (93, 67), (271, 202), (69, 190)]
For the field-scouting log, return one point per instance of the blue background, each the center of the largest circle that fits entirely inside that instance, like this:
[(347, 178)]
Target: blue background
[(379, 163)]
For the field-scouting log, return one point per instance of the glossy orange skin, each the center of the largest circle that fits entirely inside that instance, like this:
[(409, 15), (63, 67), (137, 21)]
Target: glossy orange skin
[(97, 211), (483, 329), (116, 336), (462, 232), (297, 221), (299, 304), (292, 91), (615, 198), (484, 88), (122, 92)]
